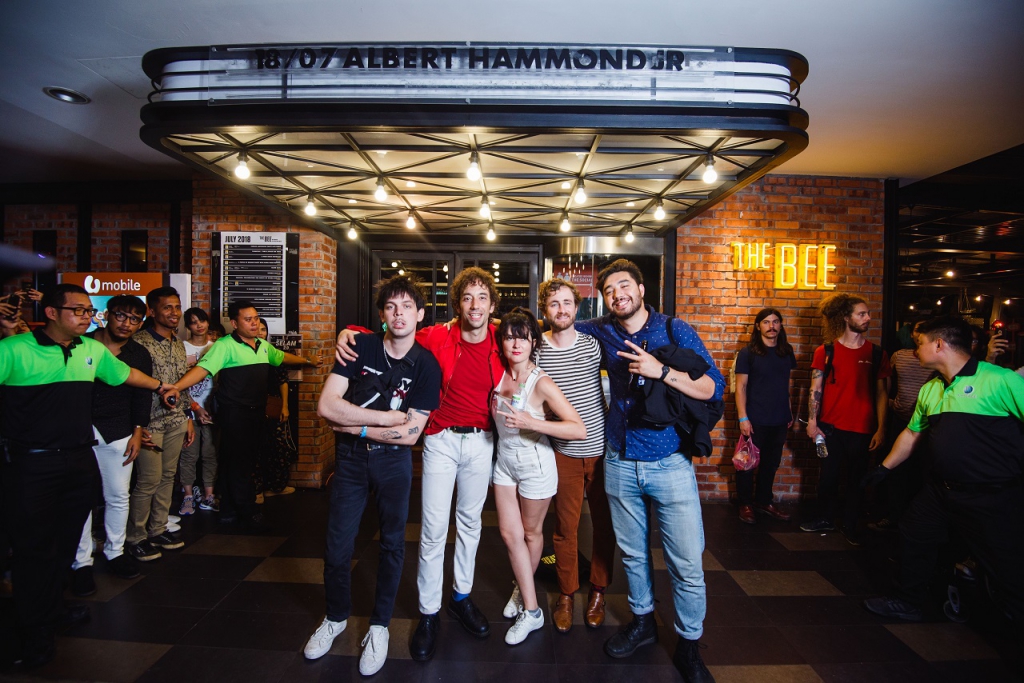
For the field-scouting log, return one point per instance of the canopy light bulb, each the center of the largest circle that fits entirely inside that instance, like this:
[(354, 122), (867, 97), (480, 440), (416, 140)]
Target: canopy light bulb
[(394, 264), (566, 185), (352, 234), (491, 235), (410, 222), (485, 208), (566, 227), (445, 269), (1006, 302), (911, 307), (473, 172), (310, 207), (950, 273), (581, 194), (401, 271), (939, 302), (629, 235), (659, 212), (242, 169), (381, 192), (710, 174), (978, 298)]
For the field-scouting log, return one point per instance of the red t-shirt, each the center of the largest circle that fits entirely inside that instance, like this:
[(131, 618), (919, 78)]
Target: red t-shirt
[(849, 404), (466, 401)]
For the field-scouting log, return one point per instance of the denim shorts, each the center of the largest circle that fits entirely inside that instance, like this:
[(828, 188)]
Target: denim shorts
[(531, 470)]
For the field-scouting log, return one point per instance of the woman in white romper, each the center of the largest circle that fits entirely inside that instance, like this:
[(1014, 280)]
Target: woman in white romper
[(526, 461)]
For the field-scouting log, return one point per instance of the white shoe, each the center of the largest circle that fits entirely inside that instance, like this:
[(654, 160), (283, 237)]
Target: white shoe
[(173, 526), (173, 519), (524, 626), (320, 642), (375, 650), (514, 606)]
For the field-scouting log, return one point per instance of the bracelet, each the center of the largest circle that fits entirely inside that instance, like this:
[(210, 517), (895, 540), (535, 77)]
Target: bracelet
[(158, 386), (362, 434), (744, 419)]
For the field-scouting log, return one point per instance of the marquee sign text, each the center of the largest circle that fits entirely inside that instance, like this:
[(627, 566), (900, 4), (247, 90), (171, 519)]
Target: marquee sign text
[(796, 266)]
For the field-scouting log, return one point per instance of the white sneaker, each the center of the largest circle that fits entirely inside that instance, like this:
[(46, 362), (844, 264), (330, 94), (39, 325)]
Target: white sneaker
[(514, 606), (320, 642), (375, 650), (174, 519), (524, 626), (173, 527)]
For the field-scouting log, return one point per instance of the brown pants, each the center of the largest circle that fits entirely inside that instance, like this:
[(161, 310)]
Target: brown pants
[(577, 476)]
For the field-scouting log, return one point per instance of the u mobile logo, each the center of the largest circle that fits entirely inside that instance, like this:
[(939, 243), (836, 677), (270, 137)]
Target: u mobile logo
[(94, 285)]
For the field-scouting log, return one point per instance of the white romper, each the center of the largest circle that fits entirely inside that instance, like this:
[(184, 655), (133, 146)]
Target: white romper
[(525, 458)]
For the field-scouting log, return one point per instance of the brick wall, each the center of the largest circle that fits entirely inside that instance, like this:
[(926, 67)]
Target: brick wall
[(721, 303), (219, 208), (21, 220)]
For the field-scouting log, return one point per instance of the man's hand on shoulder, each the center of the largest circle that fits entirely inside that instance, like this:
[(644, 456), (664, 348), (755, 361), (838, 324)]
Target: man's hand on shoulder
[(343, 352)]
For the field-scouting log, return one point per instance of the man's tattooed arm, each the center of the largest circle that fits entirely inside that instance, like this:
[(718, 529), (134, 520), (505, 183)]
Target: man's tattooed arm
[(391, 434), (814, 398)]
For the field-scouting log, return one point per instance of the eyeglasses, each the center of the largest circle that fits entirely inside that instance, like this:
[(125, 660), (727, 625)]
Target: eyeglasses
[(80, 310), (121, 316)]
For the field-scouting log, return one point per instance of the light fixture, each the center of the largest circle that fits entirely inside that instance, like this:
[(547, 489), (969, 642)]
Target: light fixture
[(497, 279), (566, 185), (66, 95), (630, 203), (710, 174), (1006, 302), (565, 226), (381, 193), (950, 273), (242, 169), (382, 152), (978, 298), (410, 222), (485, 208), (394, 264), (939, 302), (352, 234), (496, 266), (473, 172), (310, 207), (659, 211), (490, 234), (581, 194), (911, 306), (401, 271), (629, 234), (445, 269), (351, 201), (410, 183)]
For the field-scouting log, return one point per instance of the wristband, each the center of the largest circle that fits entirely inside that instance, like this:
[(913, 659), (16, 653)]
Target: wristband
[(158, 386), (665, 369), (744, 419), (362, 434)]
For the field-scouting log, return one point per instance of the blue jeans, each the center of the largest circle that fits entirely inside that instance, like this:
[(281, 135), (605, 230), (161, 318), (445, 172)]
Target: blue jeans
[(362, 467), (668, 489)]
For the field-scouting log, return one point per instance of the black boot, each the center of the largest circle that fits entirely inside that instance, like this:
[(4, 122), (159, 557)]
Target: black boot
[(641, 631), (424, 639), (689, 664)]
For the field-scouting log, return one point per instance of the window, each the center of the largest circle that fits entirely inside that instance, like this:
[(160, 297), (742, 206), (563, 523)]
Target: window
[(135, 251)]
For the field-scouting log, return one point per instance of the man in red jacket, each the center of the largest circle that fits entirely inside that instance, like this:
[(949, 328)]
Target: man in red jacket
[(457, 448)]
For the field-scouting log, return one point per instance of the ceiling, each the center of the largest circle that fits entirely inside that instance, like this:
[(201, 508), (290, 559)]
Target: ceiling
[(905, 90)]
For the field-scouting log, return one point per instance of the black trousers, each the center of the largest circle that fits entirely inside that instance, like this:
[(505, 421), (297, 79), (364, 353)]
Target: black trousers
[(769, 441), (991, 523), (46, 499), (847, 459), (241, 438)]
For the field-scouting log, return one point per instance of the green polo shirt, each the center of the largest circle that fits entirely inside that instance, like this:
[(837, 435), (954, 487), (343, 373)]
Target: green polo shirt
[(974, 424), (48, 388), (241, 370)]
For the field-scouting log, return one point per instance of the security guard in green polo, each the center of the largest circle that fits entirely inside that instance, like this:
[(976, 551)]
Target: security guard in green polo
[(48, 470), (972, 416), (240, 362)]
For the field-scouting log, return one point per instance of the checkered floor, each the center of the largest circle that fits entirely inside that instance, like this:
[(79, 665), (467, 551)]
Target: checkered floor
[(782, 606)]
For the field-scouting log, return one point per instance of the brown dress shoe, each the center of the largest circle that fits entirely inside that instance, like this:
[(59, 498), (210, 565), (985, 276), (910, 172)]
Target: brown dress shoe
[(562, 615), (773, 512), (594, 616), (747, 514)]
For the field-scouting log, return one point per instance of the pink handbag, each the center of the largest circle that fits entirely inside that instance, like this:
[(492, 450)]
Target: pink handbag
[(747, 455)]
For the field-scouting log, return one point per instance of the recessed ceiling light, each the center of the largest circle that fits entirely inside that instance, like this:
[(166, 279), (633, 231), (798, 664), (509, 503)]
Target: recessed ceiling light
[(66, 95), (351, 201), (630, 203), (566, 185), (382, 152)]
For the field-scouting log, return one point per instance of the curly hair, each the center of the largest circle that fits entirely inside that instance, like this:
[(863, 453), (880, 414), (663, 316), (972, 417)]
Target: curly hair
[(397, 285), (834, 310), (549, 287), (473, 276), (520, 323)]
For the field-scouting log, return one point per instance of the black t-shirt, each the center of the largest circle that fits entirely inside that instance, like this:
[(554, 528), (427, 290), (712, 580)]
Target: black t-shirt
[(767, 386), (417, 387)]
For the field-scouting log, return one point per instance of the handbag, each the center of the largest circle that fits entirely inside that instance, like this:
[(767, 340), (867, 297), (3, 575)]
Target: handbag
[(747, 455)]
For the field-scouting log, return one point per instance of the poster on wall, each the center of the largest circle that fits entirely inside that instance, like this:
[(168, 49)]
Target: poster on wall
[(261, 267), (103, 286)]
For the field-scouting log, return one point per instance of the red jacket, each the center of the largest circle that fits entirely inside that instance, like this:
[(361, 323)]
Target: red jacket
[(445, 342)]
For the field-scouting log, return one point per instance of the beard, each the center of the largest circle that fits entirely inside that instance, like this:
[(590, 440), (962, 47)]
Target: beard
[(630, 310), (859, 329), (560, 325)]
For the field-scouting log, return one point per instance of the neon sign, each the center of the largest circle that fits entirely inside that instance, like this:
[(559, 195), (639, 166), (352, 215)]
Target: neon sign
[(795, 266)]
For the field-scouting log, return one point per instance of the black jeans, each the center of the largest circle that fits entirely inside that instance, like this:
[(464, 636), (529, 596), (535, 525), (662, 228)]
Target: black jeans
[(847, 459), (992, 524), (770, 441), (241, 438), (46, 499), (363, 467)]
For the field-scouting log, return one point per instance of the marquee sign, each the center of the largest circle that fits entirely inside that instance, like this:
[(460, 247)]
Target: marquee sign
[(795, 266)]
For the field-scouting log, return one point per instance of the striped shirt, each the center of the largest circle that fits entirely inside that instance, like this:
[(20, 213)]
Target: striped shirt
[(910, 377), (576, 370)]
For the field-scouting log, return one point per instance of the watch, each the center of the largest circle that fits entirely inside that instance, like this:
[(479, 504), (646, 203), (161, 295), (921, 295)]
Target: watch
[(665, 369)]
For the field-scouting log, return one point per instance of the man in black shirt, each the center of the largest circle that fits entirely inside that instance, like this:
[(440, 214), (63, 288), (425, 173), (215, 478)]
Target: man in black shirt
[(379, 405), (119, 416)]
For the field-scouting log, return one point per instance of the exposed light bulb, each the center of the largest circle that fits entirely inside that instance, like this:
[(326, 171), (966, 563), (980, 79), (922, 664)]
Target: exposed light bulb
[(710, 174), (939, 302), (485, 208), (566, 227), (1006, 302), (351, 201), (381, 193), (629, 235), (410, 222), (394, 264), (242, 169), (352, 234), (581, 194), (491, 235), (950, 273), (911, 307), (473, 172), (401, 271), (630, 203), (310, 207), (659, 212), (410, 183), (978, 298), (445, 269), (566, 185), (497, 279), (496, 266)]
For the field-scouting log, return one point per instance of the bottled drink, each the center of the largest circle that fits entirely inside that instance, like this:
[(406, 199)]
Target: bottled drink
[(637, 382), (819, 444)]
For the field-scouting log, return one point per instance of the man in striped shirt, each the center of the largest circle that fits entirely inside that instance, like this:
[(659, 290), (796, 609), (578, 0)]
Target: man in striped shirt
[(573, 360)]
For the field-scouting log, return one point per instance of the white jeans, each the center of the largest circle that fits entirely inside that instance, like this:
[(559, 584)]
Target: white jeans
[(450, 458), (116, 477)]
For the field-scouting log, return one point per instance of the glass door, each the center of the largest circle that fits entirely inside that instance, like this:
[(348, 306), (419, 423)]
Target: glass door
[(433, 271), (516, 276)]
